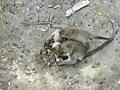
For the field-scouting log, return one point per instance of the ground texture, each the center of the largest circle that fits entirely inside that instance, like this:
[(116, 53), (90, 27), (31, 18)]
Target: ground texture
[(20, 43)]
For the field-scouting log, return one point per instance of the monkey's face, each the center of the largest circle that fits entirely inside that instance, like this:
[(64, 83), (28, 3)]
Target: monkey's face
[(63, 32)]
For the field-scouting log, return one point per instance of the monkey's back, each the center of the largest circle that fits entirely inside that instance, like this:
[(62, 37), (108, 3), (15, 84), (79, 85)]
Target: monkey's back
[(77, 34)]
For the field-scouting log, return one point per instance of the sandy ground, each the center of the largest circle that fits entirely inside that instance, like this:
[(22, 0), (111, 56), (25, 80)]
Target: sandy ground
[(20, 45)]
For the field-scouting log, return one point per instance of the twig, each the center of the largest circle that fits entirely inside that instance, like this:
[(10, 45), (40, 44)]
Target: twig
[(52, 24)]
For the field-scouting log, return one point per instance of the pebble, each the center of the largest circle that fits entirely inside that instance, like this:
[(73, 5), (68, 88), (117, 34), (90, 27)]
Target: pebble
[(44, 30), (31, 80), (55, 7), (63, 75), (100, 13), (50, 6), (118, 82), (23, 10), (19, 2), (73, 82)]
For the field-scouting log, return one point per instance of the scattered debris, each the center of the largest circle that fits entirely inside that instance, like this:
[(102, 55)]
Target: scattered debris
[(27, 72), (112, 21), (31, 80), (76, 7), (23, 10)]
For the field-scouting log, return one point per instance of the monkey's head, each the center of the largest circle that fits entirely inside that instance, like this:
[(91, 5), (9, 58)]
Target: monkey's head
[(63, 32)]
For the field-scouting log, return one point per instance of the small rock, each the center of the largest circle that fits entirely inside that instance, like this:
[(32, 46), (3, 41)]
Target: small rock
[(100, 13), (31, 80), (98, 68), (112, 21), (73, 82), (23, 10), (55, 7), (28, 9), (27, 72), (96, 64), (118, 82), (50, 6), (63, 75), (44, 30), (77, 7)]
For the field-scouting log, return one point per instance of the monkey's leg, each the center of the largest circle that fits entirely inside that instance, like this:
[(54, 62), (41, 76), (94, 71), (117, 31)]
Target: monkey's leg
[(70, 61)]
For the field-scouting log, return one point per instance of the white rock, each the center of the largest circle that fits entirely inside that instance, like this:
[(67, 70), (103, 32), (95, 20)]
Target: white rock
[(55, 7), (50, 6), (76, 7), (118, 82), (44, 30)]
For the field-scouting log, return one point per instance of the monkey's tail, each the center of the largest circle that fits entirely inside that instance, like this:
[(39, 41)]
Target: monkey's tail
[(109, 40)]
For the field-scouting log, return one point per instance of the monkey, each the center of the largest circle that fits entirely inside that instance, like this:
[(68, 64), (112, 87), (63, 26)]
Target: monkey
[(78, 38), (79, 49), (72, 33), (73, 48)]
